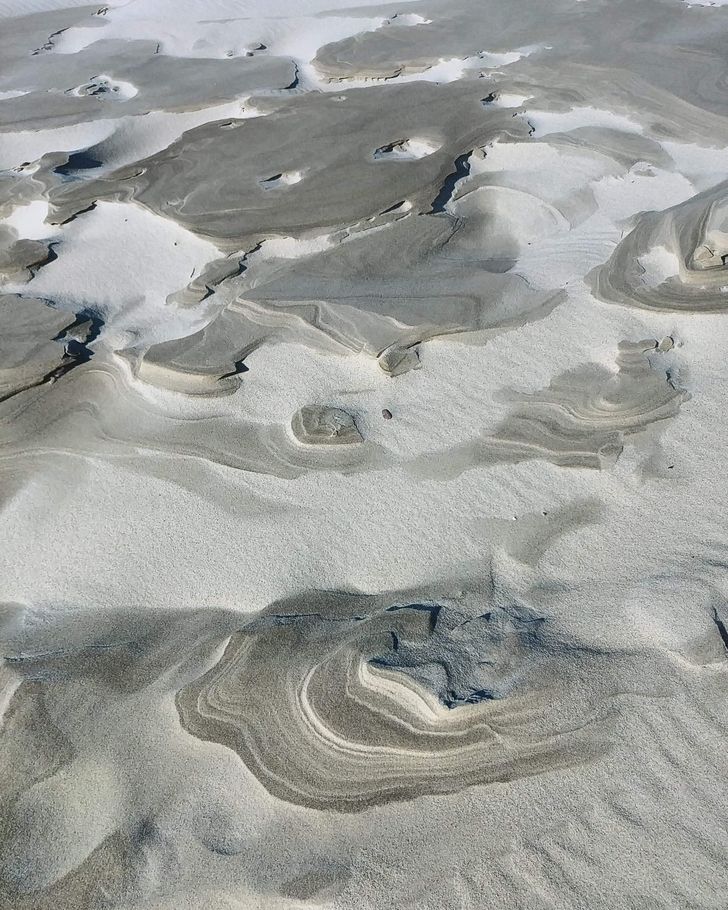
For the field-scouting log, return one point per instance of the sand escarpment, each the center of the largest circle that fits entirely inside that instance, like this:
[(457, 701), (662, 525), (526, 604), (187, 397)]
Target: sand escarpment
[(39, 344)]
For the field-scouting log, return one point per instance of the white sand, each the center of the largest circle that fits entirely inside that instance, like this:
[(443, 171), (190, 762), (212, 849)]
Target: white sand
[(362, 419)]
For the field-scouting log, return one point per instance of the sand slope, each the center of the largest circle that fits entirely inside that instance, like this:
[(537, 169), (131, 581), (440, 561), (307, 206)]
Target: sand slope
[(362, 419)]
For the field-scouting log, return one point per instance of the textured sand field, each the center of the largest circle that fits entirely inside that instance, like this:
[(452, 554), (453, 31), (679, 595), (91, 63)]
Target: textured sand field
[(363, 428)]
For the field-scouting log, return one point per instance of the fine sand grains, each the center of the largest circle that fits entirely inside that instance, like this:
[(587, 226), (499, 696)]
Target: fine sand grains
[(362, 428)]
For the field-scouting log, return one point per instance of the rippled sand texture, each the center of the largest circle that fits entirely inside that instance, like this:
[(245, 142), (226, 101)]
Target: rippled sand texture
[(362, 419)]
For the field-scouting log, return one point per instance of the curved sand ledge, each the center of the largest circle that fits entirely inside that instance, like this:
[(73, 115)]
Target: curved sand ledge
[(673, 261), (137, 428), (351, 298), (583, 419)]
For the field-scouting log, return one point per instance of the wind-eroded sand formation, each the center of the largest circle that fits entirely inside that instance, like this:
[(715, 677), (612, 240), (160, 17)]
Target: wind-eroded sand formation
[(362, 418), (419, 698)]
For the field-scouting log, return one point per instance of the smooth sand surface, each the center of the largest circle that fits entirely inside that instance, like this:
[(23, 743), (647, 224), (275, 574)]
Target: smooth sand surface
[(363, 536)]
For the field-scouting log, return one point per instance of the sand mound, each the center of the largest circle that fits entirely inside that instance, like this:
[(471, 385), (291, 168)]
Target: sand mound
[(364, 706)]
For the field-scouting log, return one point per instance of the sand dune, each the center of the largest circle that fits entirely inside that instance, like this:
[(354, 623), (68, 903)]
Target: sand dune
[(362, 410), (110, 79), (338, 702), (284, 138)]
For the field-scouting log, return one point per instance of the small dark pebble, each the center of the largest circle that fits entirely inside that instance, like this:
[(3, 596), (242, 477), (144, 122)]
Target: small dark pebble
[(387, 414)]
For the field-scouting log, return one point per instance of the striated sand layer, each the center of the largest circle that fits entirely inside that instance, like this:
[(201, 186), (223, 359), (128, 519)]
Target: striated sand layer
[(335, 710), (583, 417), (362, 419)]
